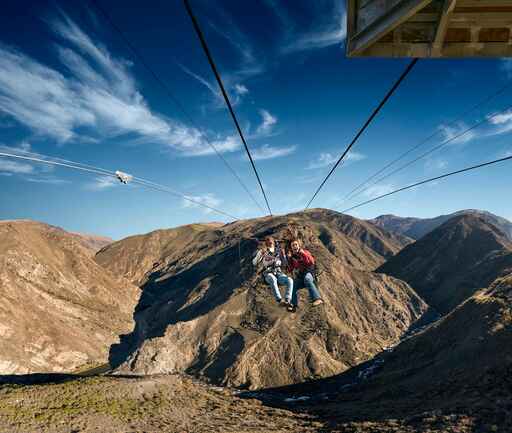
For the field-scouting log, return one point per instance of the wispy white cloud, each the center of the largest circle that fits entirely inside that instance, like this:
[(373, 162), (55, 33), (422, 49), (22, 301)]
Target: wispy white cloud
[(456, 133), (240, 89), (249, 64), (23, 146), (206, 199), (230, 143), (50, 180), (268, 121), (98, 95), (39, 97), (502, 123), (378, 190), (325, 159), (281, 13), (237, 39), (270, 152), (329, 30), (237, 91), (24, 170), (102, 183), (504, 154), (210, 86), (14, 167), (501, 118)]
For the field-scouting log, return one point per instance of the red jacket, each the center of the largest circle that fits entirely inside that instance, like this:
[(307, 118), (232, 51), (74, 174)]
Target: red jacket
[(303, 261)]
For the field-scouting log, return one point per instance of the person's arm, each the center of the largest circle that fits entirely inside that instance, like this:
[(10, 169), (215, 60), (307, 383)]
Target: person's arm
[(257, 259), (284, 258), (307, 259), (292, 264)]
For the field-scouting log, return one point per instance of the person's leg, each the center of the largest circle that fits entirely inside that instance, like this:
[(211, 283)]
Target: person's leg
[(309, 282), (272, 282), (297, 285), (288, 282)]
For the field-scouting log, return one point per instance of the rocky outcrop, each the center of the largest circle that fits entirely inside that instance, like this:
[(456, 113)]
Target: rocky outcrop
[(59, 309)]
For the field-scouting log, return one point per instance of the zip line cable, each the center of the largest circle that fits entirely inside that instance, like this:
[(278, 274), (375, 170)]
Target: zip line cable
[(61, 164), (103, 172), (170, 94), (202, 39), (54, 158), (474, 167), (424, 141), (439, 146), (366, 124)]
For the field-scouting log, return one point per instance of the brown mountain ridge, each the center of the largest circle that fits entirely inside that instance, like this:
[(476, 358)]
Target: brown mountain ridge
[(204, 310), (60, 310), (450, 264), (416, 228)]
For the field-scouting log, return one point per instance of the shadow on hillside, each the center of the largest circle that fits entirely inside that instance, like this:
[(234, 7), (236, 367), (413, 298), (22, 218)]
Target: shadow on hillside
[(37, 378), (56, 378), (188, 294)]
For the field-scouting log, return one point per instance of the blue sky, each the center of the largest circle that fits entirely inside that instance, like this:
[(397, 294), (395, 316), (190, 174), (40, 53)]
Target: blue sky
[(70, 88)]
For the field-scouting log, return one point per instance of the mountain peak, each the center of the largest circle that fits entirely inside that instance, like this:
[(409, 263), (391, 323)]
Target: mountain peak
[(416, 228), (452, 262)]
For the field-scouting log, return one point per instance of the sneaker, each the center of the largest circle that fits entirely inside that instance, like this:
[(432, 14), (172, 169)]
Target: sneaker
[(282, 303), (317, 302), (291, 308)]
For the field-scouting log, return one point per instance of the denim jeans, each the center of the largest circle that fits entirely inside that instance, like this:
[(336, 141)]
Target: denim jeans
[(280, 279), (306, 280)]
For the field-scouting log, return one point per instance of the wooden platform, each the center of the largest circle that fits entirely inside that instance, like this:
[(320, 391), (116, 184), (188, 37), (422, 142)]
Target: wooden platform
[(429, 28)]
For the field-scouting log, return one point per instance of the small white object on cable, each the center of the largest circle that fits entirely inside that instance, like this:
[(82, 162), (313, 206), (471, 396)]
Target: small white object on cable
[(124, 177)]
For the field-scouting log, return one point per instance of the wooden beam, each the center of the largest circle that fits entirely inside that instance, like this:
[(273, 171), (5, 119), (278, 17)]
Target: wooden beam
[(450, 49), (442, 26), (390, 20), (486, 3), (479, 18), (489, 18), (351, 16)]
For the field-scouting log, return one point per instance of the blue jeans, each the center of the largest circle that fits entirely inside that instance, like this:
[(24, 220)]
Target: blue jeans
[(274, 280), (307, 280)]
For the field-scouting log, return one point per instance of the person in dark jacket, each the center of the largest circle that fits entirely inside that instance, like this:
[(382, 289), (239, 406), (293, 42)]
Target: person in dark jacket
[(271, 257), (302, 262)]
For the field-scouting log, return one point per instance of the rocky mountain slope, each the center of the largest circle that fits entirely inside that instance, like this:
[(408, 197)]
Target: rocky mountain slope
[(416, 228), (452, 262), (59, 309), (205, 311), (454, 376), (92, 242)]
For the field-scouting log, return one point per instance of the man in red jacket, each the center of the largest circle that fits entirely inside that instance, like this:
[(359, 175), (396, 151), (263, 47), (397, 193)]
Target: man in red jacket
[(302, 261)]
